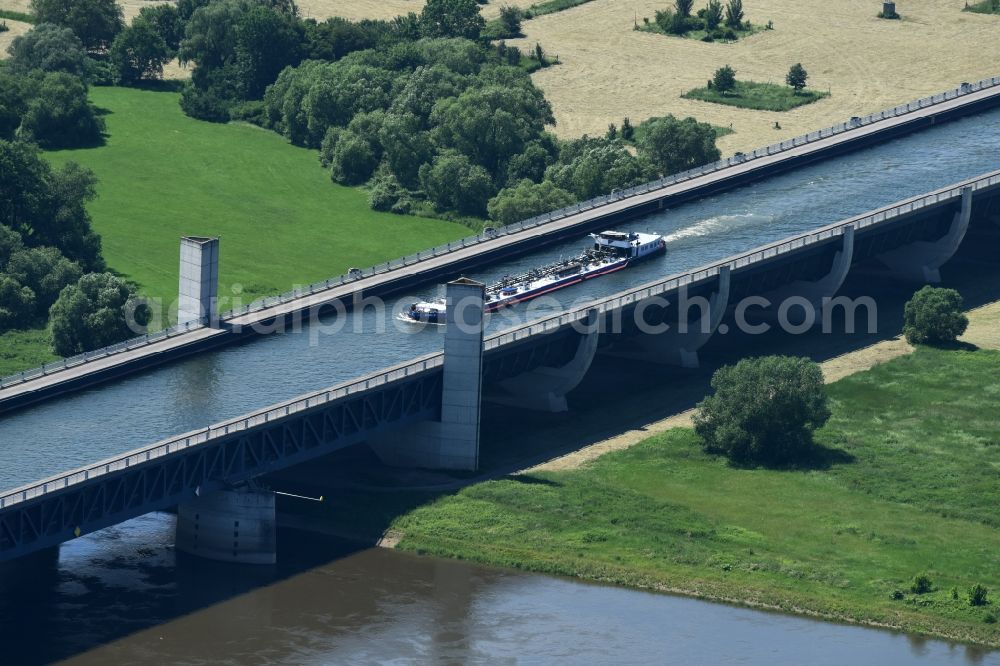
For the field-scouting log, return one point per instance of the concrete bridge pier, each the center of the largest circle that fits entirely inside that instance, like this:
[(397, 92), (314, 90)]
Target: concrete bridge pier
[(231, 525), (921, 261), (452, 442), (677, 345), (545, 388), (814, 293)]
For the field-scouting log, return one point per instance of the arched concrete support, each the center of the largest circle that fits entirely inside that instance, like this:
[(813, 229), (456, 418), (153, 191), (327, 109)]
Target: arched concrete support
[(235, 525), (452, 442), (816, 291), (921, 261), (679, 344), (544, 389)]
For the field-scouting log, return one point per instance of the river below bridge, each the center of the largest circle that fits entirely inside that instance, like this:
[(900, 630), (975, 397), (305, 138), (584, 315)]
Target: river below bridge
[(113, 418), (120, 596)]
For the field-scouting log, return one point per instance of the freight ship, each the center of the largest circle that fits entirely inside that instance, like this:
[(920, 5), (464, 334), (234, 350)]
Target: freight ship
[(612, 251)]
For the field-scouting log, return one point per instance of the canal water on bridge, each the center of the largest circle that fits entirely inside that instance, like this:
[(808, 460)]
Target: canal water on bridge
[(190, 394), (119, 596)]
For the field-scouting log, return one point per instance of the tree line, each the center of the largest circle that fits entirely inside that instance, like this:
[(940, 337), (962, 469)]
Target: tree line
[(51, 268)]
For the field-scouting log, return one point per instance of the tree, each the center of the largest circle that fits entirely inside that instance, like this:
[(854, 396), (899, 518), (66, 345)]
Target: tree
[(734, 14), (47, 207), (405, 147), (95, 312), (797, 76), (58, 113), (50, 48), (683, 7), (673, 145), (335, 37), (166, 20), (139, 52), (453, 182), (451, 18), (267, 41), (713, 14), (724, 79), (422, 89), (934, 316), (492, 124), (527, 199), (30, 279), (532, 161), (95, 22), (590, 167), (763, 410)]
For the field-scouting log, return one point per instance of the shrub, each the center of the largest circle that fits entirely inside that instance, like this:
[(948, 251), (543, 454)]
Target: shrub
[(977, 595), (921, 584), (204, 104), (764, 410), (934, 316), (526, 200), (627, 130), (94, 313), (896, 595)]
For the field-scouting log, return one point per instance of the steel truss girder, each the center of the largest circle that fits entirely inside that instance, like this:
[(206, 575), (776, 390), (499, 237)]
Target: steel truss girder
[(162, 482)]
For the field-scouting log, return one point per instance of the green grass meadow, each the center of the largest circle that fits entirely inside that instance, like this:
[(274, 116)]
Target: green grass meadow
[(759, 96), (281, 221), (911, 485)]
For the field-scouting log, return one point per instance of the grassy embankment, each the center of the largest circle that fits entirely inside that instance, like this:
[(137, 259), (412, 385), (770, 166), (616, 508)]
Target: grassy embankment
[(17, 16), (281, 221), (551, 7), (758, 96), (911, 486)]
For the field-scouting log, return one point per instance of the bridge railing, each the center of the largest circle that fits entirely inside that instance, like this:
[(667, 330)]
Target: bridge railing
[(675, 281), (516, 227), (494, 341), (574, 209), (181, 442)]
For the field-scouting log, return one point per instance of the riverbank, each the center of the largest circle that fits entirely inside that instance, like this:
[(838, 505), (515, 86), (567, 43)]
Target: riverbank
[(909, 486)]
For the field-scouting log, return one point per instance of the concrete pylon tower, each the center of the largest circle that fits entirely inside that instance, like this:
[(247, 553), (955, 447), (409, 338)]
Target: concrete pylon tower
[(452, 442), (198, 291), (462, 384)]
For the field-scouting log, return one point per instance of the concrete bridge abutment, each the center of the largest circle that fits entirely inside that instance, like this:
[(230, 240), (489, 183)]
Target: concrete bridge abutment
[(922, 261), (231, 525), (452, 442), (545, 388)]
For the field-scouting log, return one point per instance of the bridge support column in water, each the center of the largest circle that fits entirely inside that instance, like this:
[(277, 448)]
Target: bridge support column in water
[(232, 525), (816, 291), (199, 280), (544, 389), (452, 442), (921, 261)]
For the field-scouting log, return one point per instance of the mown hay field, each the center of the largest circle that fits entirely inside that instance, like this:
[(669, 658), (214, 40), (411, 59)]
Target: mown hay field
[(611, 70)]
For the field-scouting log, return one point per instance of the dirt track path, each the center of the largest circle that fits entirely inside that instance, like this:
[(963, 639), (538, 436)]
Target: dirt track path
[(984, 331)]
